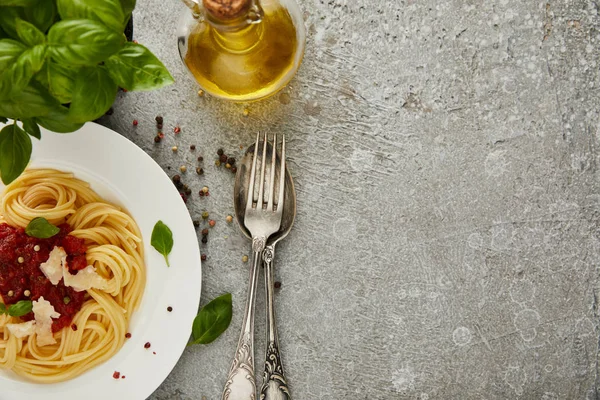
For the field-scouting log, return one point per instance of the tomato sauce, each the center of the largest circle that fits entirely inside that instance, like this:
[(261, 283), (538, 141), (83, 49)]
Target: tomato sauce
[(17, 278)]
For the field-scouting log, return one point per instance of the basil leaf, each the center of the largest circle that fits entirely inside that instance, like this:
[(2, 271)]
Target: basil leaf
[(20, 308), (128, 6), (33, 101), (19, 3), (31, 127), (93, 94), (108, 12), (29, 33), (212, 320), (10, 50), (40, 228), (83, 42), (162, 240), (15, 152), (134, 67), (18, 76), (8, 20), (42, 15), (58, 121), (61, 79)]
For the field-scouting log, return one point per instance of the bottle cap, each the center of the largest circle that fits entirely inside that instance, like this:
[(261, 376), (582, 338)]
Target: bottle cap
[(227, 9)]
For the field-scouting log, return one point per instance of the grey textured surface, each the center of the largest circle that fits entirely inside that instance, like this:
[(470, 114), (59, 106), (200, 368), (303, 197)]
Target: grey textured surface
[(446, 161)]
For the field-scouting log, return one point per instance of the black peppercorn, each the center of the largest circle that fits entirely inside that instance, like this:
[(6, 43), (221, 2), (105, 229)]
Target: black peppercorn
[(176, 179), (159, 119), (223, 158), (199, 171), (277, 285), (204, 239), (193, 147), (220, 152), (159, 126), (157, 139), (203, 257), (231, 161), (200, 159), (196, 223)]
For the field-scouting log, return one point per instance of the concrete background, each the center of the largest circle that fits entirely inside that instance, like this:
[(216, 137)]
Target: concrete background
[(446, 160)]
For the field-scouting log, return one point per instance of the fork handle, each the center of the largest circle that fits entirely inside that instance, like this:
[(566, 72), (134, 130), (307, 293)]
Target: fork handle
[(241, 384), (274, 385)]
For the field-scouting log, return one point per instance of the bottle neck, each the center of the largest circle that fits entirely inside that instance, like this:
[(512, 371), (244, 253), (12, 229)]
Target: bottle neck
[(240, 34)]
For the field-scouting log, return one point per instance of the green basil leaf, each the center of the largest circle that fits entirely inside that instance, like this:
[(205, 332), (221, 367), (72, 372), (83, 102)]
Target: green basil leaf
[(58, 121), (10, 50), (42, 15), (8, 20), (108, 12), (40, 228), (29, 33), (162, 240), (19, 3), (18, 76), (3, 309), (128, 6), (93, 94), (61, 80), (42, 75), (15, 152), (33, 101), (212, 320), (20, 308), (134, 67), (83, 42), (31, 127)]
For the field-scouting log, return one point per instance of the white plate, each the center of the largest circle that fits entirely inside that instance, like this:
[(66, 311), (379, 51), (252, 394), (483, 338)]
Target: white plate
[(124, 174)]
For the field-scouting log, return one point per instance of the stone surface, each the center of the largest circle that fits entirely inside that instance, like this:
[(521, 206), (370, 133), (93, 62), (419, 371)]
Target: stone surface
[(446, 160)]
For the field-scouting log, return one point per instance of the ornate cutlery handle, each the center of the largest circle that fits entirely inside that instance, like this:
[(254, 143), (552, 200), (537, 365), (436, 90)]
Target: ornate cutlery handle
[(274, 383), (241, 384)]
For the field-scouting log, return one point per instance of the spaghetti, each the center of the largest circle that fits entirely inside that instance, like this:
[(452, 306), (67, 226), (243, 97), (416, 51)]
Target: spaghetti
[(113, 247)]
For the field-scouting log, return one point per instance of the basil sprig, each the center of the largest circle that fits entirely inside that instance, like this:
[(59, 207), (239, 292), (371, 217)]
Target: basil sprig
[(18, 309), (61, 63), (162, 240), (40, 228), (212, 320)]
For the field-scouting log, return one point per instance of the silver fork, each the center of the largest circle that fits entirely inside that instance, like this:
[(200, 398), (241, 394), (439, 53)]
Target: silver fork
[(261, 222)]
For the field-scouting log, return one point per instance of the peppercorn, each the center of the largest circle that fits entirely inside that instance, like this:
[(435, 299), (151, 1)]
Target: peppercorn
[(220, 152), (277, 285), (157, 139), (183, 168), (147, 345), (229, 219), (203, 257), (135, 122), (196, 223), (217, 163), (212, 223), (176, 179), (185, 187), (204, 239), (177, 130), (199, 171), (223, 158), (244, 258), (128, 335), (204, 232), (200, 92), (228, 166), (159, 126), (174, 148), (200, 159), (205, 215), (193, 147), (159, 119), (188, 191), (201, 193), (205, 189), (169, 309), (231, 160), (233, 170)]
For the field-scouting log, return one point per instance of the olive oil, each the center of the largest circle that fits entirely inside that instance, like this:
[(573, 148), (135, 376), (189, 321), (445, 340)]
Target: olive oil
[(244, 59)]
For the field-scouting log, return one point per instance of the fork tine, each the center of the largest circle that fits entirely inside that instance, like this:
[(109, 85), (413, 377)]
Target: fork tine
[(261, 189), (250, 199), (273, 167), (281, 175)]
